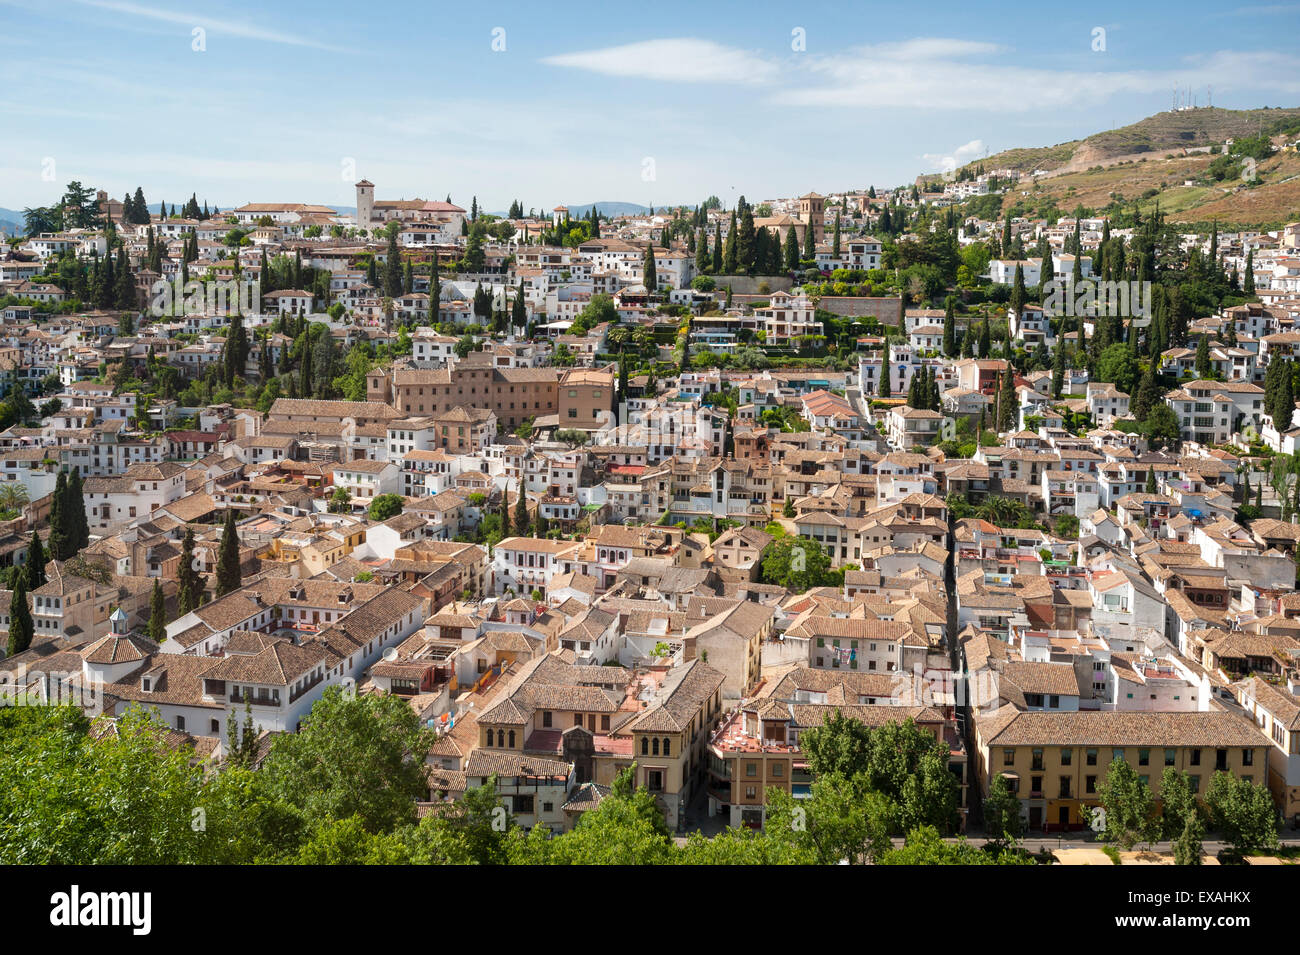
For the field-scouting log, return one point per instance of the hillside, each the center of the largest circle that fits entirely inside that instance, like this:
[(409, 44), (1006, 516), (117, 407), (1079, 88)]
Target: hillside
[(1155, 135), (1147, 181)]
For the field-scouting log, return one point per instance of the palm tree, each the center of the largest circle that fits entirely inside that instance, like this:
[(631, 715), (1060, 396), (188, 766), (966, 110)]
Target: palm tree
[(1004, 512), (13, 496)]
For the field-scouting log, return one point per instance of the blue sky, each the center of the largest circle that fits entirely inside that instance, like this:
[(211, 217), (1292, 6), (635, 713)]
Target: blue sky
[(649, 102)]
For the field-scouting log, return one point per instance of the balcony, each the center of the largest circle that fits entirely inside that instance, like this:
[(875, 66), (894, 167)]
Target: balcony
[(306, 687), (256, 699)]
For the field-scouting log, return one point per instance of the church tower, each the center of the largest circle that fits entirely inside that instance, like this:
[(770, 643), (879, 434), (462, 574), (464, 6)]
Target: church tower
[(812, 210), (365, 203)]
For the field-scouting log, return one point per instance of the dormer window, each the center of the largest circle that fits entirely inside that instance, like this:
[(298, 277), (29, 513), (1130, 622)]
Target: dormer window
[(146, 684)]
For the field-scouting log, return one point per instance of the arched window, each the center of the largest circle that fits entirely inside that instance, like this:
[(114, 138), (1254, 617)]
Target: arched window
[(655, 746), (501, 738), (645, 746), (667, 743), (512, 739)]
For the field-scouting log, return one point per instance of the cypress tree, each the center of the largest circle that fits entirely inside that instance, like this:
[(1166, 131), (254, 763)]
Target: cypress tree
[(791, 249), (35, 563), (59, 536), (702, 259), (1007, 403), (745, 241), (20, 619), (157, 614), (435, 291), (75, 505), (949, 328), (519, 313), (884, 376), (1018, 290), (190, 583), (1248, 281), (649, 276), (1148, 393), (1046, 273), (717, 249), (393, 267), (228, 575), (730, 255), (304, 367), (835, 238), (521, 512)]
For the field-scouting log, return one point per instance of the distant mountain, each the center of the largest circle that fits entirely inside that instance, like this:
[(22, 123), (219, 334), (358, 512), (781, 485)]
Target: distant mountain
[(579, 209), (11, 221)]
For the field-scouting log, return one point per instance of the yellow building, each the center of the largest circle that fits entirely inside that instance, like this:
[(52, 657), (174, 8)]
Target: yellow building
[(1056, 761)]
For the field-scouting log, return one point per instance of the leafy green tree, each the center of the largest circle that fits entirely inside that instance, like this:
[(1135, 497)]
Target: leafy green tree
[(125, 798), (626, 828), (1003, 823), (925, 846), (1117, 365), (1243, 812), (354, 755), (841, 744), (796, 563), (1161, 427), (1129, 806), (841, 820), (385, 506), (1187, 845)]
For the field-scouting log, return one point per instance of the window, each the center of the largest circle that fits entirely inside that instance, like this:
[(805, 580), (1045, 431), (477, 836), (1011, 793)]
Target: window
[(546, 718), (751, 769), (1144, 757), (1008, 757), (1067, 756), (1196, 757), (1248, 757)]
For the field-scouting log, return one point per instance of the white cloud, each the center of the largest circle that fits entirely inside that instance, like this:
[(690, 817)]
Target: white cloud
[(959, 156), (247, 31), (937, 73), (679, 60)]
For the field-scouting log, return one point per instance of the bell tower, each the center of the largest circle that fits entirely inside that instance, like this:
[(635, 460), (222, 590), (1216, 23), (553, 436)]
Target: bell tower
[(812, 210), (365, 203)]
